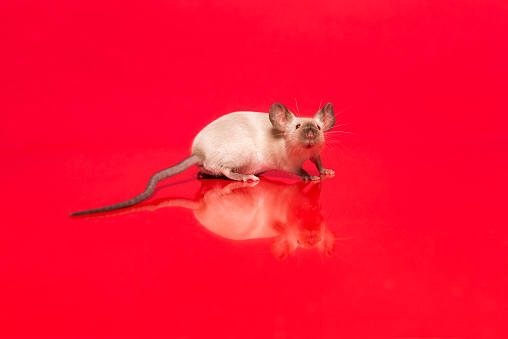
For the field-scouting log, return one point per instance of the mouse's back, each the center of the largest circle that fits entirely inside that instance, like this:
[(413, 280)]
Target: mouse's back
[(241, 140)]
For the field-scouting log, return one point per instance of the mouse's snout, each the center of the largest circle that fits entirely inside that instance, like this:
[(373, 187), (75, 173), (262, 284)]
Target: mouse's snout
[(309, 133)]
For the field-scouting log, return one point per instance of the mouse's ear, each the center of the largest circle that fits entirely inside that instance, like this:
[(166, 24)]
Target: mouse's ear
[(280, 117), (327, 245), (280, 247), (326, 116)]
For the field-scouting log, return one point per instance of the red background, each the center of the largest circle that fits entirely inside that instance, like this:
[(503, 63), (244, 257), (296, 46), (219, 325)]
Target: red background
[(97, 95)]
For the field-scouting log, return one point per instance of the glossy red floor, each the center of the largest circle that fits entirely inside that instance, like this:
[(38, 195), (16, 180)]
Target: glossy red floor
[(408, 239)]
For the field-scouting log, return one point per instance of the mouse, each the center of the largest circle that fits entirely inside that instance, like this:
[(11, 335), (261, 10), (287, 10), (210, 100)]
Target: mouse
[(241, 145)]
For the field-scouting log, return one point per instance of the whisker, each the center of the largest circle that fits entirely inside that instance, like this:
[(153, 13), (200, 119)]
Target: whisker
[(345, 147), (298, 262), (346, 260), (340, 244), (344, 132), (321, 256), (332, 146), (297, 110), (336, 142), (345, 109), (344, 124), (348, 238)]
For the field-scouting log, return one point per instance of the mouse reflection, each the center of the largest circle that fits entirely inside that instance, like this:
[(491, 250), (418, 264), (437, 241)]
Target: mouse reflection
[(291, 214)]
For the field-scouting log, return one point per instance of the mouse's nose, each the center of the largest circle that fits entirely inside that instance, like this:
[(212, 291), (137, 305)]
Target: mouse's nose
[(310, 135)]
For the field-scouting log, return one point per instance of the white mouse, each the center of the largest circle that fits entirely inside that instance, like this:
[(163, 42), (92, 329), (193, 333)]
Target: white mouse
[(241, 145)]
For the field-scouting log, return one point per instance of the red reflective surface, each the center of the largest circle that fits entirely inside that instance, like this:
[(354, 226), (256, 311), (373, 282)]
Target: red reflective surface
[(408, 239)]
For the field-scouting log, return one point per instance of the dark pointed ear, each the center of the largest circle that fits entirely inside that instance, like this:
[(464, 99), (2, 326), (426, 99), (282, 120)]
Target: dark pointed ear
[(280, 117), (326, 116)]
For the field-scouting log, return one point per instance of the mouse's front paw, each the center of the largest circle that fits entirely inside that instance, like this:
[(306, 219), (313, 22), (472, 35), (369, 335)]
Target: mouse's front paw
[(327, 171)]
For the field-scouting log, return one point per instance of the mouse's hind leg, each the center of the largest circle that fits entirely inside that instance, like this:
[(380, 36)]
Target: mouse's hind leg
[(238, 176)]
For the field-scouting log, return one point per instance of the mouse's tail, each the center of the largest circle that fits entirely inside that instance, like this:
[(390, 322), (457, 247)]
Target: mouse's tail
[(150, 188)]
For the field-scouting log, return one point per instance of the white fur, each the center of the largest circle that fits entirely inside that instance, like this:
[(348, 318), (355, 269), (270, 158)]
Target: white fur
[(247, 143)]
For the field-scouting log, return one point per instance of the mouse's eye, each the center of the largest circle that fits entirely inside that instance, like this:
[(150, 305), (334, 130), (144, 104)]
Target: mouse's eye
[(298, 126), (319, 127)]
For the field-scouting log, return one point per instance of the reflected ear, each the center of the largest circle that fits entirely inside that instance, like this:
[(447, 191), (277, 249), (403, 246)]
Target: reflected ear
[(280, 117), (326, 116), (328, 243), (280, 247)]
